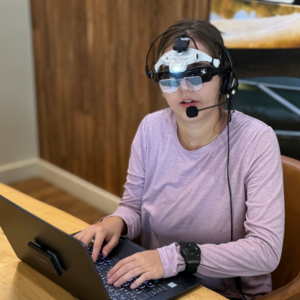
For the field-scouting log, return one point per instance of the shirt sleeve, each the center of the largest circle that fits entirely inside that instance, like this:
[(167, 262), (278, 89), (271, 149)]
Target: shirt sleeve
[(130, 206), (260, 250)]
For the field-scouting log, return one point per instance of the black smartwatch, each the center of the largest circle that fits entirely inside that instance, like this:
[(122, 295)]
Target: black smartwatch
[(192, 255)]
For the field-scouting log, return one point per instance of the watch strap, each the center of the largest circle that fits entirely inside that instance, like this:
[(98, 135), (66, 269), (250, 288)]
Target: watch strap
[(191, 269)]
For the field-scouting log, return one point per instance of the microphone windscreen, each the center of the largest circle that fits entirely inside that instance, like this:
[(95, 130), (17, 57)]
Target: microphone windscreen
[(192, 112)]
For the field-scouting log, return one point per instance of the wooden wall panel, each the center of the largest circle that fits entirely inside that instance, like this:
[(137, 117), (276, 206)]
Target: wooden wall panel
[(92, 91)]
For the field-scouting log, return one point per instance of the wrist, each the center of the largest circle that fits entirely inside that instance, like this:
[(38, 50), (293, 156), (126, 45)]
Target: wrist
[(124, 229), (191, 254), (171, 260), (120, 221)]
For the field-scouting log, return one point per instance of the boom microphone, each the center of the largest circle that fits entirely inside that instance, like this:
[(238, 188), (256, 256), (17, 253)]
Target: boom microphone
[(193, 111)]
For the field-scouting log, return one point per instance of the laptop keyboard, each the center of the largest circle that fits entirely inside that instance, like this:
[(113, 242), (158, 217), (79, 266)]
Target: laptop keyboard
[(147, 290)]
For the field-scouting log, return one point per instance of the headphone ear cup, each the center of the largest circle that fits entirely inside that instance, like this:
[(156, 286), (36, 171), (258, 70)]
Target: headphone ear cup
[(230, 82), (227, 83), (224, 85)]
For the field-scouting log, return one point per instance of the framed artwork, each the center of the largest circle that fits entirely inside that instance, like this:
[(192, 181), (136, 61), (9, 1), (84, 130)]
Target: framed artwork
[(263, 37)]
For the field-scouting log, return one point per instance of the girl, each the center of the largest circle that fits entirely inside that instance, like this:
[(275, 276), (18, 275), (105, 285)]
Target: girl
[(177, 189)]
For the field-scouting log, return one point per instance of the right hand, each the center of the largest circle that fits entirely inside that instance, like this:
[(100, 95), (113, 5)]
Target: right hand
[(109, 230)]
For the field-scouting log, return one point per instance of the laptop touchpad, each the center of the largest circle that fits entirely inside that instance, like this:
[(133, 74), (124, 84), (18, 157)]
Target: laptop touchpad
[(125, 248)]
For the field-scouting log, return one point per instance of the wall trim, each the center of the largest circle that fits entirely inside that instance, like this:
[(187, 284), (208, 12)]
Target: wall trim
[(66, 181), (19, 171)]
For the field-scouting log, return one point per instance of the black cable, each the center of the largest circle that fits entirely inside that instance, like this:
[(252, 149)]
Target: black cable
[(156, 40), (185, 35), (228, 180), (238, 284), (237, 280)]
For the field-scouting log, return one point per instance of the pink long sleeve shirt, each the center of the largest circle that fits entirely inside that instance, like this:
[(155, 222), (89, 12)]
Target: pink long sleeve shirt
[(172, 194)]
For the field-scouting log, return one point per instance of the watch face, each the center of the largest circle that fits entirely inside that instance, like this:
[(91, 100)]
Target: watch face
[(191, 250)]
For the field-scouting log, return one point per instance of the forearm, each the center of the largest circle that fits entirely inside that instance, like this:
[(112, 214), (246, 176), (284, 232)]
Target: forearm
[(245, 257), (131, 227)]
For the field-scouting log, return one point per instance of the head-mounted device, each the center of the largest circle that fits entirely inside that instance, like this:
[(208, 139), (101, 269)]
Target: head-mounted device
[(179, 61), (190, 80)]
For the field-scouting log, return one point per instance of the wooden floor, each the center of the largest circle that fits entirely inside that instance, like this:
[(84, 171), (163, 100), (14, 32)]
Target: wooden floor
[(45, 192)]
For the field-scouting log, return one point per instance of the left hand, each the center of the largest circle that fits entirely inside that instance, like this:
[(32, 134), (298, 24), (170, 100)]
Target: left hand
[(146, 263)]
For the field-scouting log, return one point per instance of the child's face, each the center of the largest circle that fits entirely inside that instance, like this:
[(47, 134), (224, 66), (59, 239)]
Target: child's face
[(207, 96)]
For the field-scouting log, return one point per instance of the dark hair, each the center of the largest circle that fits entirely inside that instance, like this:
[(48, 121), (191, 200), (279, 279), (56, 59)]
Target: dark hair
[(201, 31)]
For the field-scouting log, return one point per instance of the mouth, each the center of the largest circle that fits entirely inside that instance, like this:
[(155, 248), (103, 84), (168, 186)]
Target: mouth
[(188, 102)]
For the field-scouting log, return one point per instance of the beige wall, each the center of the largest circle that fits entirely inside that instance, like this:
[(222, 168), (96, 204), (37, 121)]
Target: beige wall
[(18, 125)]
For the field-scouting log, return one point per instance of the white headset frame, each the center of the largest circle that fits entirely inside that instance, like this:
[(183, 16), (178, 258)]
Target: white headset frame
[(178, 61)]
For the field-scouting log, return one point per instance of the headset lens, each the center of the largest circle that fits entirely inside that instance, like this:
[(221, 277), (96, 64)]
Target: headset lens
[(171, 85), (194, 81), (206, 75)]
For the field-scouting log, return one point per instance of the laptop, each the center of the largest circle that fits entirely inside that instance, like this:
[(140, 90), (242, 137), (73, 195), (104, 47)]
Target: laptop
[(67, 261)]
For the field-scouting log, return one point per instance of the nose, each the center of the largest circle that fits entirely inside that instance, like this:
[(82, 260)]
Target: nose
[(187, 86), (183, 84)]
